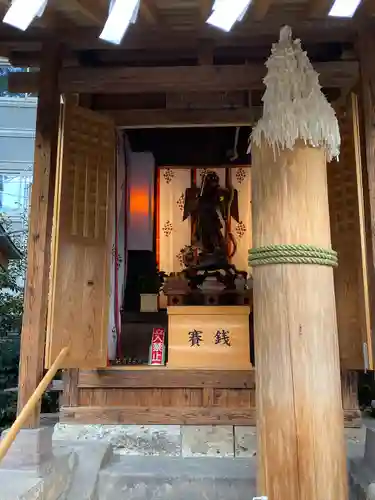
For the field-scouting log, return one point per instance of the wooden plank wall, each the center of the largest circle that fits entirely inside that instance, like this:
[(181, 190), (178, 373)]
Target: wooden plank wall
[(160, 396), (163, 396)]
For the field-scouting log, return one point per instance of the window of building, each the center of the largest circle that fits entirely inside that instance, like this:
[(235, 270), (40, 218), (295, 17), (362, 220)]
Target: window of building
[(14, 193)]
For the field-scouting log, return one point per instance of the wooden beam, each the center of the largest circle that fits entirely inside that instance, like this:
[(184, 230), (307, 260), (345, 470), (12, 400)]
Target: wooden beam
[(259, 9), (319, 8), (40, 229), (125, 80), (206, 53), (157, 415), (151, 379), (31, 59), (167, 118)]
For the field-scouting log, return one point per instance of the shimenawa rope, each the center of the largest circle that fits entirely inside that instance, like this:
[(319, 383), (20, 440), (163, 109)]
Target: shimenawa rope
[(292, 254)]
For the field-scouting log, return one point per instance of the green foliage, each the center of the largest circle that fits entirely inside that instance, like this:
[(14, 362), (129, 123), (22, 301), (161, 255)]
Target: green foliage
[(9, 358), (11, 300), (11, 308), (11, 288)]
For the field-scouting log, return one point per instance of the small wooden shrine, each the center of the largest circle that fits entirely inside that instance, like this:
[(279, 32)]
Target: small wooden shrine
[(312, 323)]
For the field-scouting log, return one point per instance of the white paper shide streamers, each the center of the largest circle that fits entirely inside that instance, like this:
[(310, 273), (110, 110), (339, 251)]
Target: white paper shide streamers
[(294, 106)]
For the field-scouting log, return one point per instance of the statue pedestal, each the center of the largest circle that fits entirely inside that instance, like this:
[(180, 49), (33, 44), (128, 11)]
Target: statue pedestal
[(209, 337)]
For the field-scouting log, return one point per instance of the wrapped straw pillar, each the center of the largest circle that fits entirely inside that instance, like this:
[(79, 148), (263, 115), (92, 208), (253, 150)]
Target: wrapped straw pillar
[(301, 449)]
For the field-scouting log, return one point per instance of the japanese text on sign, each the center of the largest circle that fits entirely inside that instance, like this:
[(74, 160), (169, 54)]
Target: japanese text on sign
[(157, 346), (222, 337)]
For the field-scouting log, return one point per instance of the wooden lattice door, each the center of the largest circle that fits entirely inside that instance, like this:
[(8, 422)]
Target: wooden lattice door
[(346, 205), (81, 242)]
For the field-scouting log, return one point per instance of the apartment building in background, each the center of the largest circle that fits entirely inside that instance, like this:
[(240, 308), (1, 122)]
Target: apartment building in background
[(17, 137)]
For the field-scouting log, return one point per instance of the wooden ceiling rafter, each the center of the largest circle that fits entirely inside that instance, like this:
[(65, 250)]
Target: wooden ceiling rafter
[(364, 13), (150, 13), (94, 11), (319, 8), (97, 13), (259, 9), (50, 19), (205, 8), (137, 39)]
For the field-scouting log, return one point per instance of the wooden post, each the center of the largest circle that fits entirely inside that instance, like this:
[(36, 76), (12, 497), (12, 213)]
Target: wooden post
[(366, 48), (300, 421), (40, 229), (299, 411), (349, 394)]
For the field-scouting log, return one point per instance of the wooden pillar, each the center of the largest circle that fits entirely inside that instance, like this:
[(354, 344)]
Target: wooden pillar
[(366, 50), (299, 410), (40, 229), (70, 392), (349, 395)]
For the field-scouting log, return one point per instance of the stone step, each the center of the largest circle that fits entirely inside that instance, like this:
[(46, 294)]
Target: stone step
[(369, 457), (18, 486), (47, 481), (177, 478)]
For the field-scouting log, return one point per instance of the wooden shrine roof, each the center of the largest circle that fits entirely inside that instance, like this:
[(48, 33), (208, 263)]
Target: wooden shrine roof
[(177, 25), (171, 52)]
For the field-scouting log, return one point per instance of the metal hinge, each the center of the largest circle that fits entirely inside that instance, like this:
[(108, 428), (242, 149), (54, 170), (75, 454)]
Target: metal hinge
[(366, 360)]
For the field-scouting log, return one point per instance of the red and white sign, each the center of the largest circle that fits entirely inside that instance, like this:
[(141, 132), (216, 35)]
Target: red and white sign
[(157, 346)]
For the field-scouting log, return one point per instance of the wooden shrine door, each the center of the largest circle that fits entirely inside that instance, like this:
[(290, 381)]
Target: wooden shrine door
[(81, 240), (346, 204)]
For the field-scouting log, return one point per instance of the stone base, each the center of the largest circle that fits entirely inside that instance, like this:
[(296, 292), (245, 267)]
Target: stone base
[(160, 462), (91, 457), (362, 470), (186, 441), (30, 449), (32, 470), (155, 440), (167, 440), (18, 487), (173, 478), (352, 418)]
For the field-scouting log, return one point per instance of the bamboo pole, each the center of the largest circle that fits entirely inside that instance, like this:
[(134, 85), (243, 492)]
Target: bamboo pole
[(30, 405)]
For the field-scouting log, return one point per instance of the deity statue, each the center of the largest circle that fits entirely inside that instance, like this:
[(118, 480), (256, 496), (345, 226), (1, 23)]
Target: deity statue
[(210, 208)]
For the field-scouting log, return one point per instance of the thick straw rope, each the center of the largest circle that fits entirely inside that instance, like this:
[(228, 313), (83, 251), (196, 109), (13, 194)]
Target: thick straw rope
[(292, 254)]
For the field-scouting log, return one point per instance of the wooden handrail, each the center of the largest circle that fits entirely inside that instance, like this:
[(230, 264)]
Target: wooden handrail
[(6, 443)]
